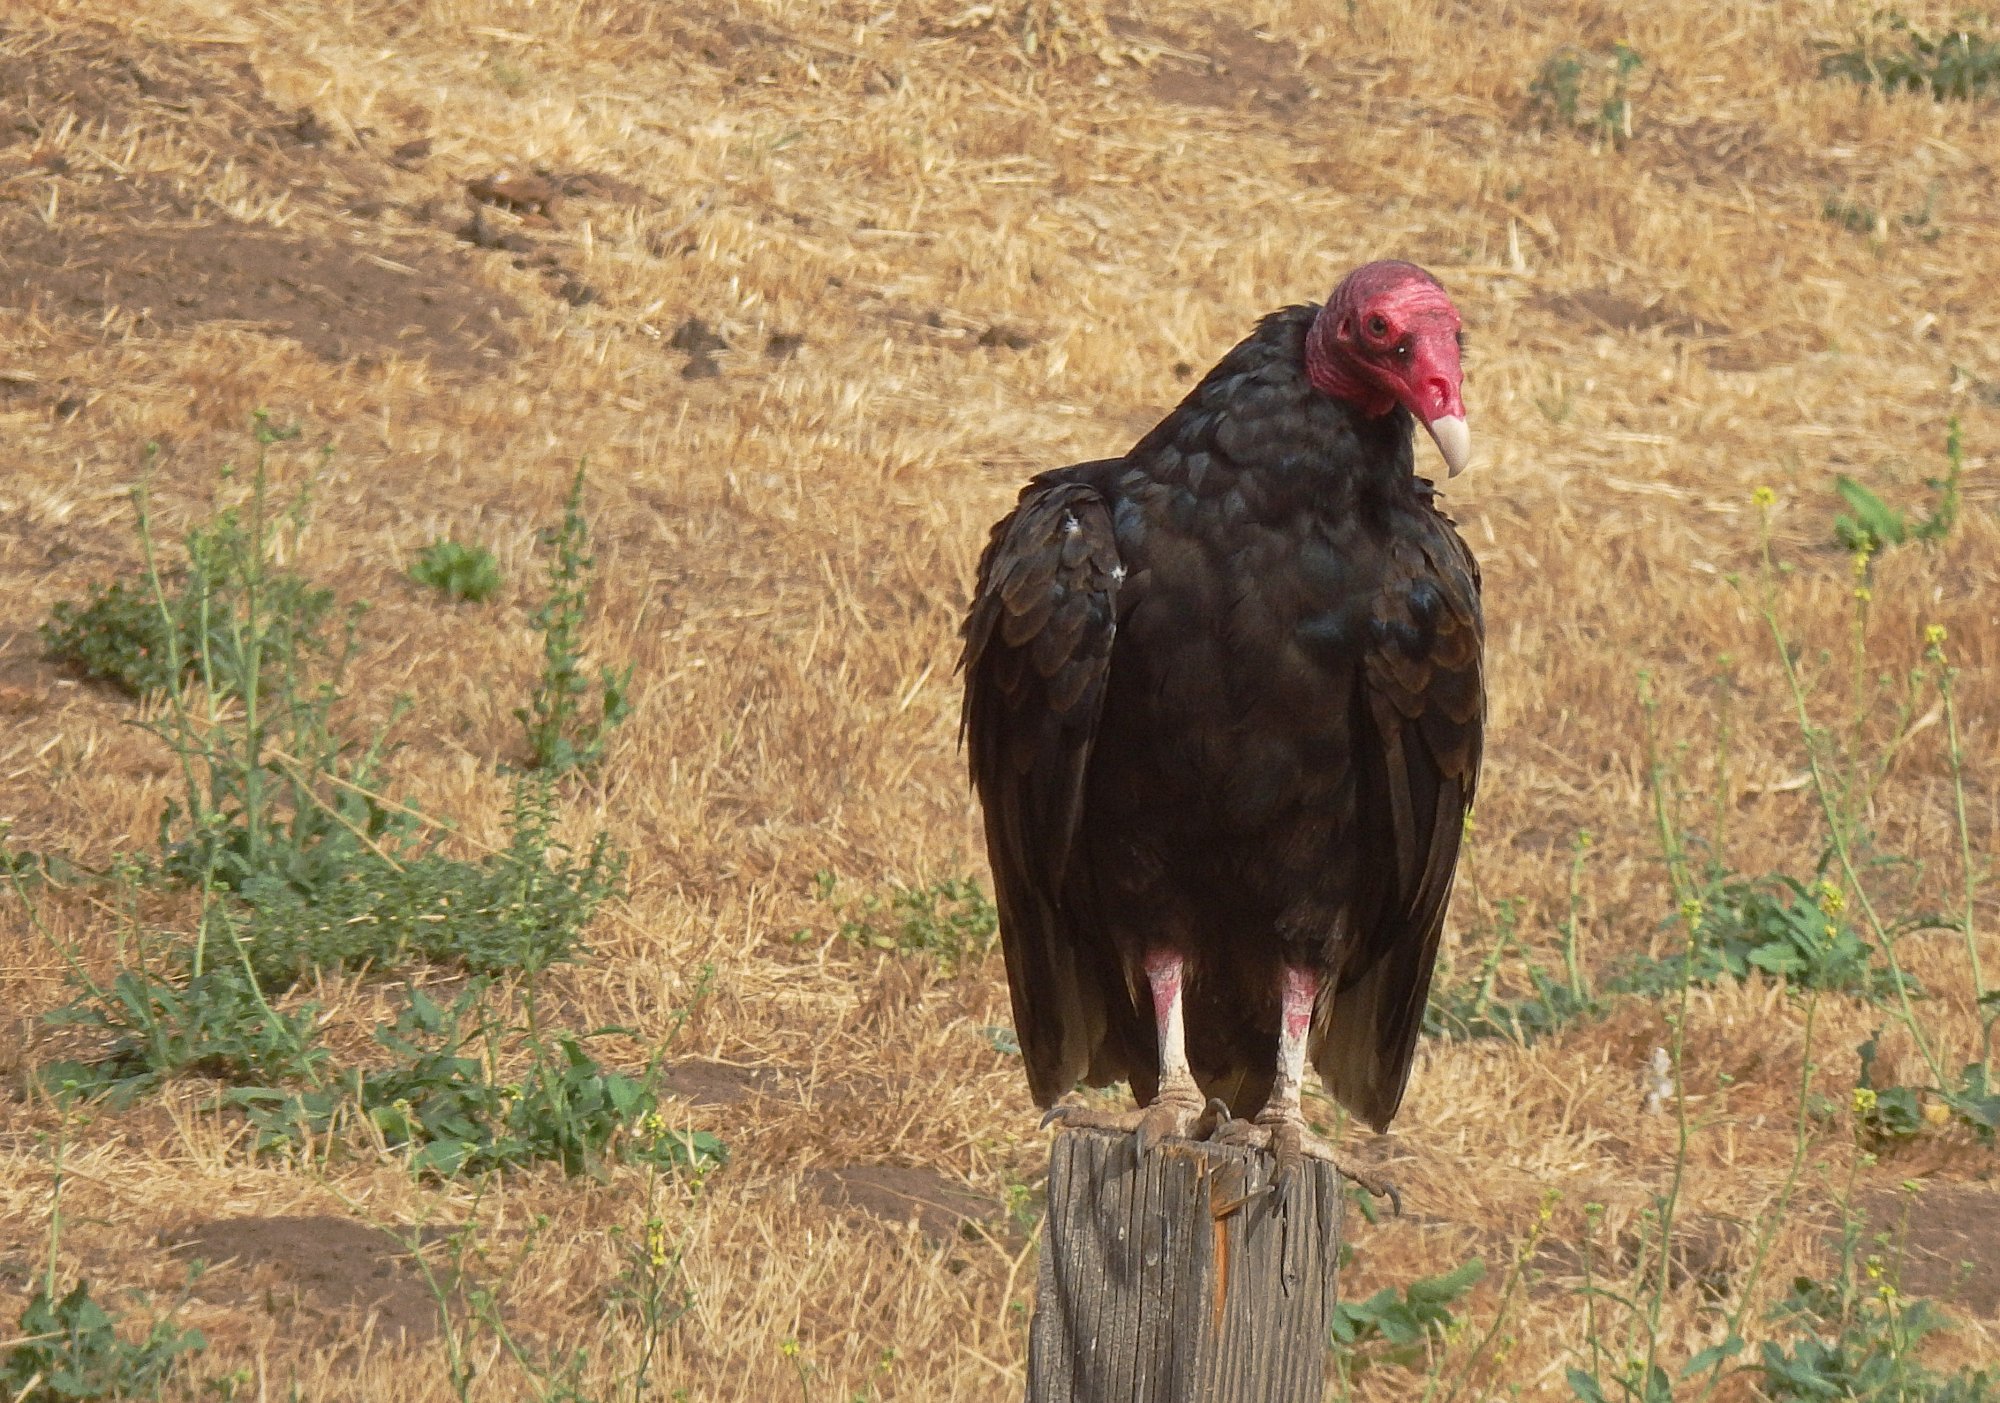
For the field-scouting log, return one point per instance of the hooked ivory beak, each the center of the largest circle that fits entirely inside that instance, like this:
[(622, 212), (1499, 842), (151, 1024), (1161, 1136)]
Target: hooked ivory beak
[(1453, 439)]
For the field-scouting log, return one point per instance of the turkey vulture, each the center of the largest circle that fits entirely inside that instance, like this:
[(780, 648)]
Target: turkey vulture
[(1223, 709)]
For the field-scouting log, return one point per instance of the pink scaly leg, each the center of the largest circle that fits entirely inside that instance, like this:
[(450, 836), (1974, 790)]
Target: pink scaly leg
[(1179, 1106), (1281, 1125), (1178, 1110)]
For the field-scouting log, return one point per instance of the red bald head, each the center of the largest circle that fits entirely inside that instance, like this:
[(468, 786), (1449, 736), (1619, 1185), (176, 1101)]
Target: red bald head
[(1387, 336)]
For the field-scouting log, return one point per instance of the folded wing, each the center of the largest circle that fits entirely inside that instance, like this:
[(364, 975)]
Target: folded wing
[(1038, 644)]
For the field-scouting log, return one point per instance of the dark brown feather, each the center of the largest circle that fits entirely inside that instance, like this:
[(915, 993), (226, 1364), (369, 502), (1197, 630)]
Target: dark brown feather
[(1037, 652)]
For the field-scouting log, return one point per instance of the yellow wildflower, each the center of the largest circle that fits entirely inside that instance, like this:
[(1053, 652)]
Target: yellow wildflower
[(1832, 900), (1764, 498), (1864, 1100), (1691, 910), (656, 1243)]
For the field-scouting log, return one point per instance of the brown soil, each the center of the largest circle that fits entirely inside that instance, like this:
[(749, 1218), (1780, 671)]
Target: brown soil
[(1225, 65), (312, 1271), (147, 267), (1599, 309), (118, 252), (1945, 1242), (896, 1194), (703, 1083)]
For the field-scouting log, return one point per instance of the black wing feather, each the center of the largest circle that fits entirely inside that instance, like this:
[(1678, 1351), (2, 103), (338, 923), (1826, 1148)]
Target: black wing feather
[(1038, 643), (1424, 692)]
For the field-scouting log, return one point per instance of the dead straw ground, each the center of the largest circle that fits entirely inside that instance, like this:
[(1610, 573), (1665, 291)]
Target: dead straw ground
[(940, 264)]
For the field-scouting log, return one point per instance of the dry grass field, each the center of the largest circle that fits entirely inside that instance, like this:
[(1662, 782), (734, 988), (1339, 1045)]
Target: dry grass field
[(812, 286)]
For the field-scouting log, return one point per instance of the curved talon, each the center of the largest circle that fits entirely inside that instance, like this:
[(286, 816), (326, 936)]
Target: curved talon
[(1287, 1147), (1241, 1132), (1171, 1114), (1375, 1186), (1168, 1115)]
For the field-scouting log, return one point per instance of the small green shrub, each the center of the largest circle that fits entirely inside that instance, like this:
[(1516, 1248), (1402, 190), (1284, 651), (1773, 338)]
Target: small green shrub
[(1587, 91), (1855, 218), (1463, 1012), (439, 1098), (1895, 55), (951, 920), (1399, 1324), (1860, 1340), (523, 908), (1874, 525), (568, 729), (304, 865), (118, 635), (1773, 924), (1892, 1114), (1858, 218), (1832, 1340), (180, 1021), (228, 609), (1636, 1382), (468, 573), (1467, 1012), (246, 657), (70, 1349)]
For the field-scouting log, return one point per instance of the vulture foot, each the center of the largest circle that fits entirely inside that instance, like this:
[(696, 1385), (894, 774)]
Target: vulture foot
[(1288, 1140), (1174, 1113)]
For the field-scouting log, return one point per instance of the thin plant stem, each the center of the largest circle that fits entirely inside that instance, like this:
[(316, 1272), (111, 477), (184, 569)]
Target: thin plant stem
[(61, 947), (1572, 962), (1691, 913), (1725, 690), (181, 742), (1771, 1221), (1838, 834), (1968, 874), (1514, 1273)]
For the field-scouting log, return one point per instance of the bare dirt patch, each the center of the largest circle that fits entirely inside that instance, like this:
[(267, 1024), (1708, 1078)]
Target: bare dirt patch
[(1605, 310), (124, 253), (312, 1267), (88, 74), (1226, 66), (146, 269), (1708, 1254), (896, 1194), (703, 1083), (1949, 1240)]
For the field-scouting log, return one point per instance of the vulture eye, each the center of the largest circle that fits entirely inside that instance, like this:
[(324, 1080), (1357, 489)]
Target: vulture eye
[(1378, 326)]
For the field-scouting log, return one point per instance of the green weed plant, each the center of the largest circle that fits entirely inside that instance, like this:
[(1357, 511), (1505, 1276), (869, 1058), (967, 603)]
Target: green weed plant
[(457, 571), (570, 716)]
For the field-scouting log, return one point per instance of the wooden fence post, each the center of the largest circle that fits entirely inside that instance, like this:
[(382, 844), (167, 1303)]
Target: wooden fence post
[(1179, 1279)]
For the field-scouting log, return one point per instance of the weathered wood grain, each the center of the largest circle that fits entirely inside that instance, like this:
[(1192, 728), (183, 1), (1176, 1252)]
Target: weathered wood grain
[(1183, 1277)]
